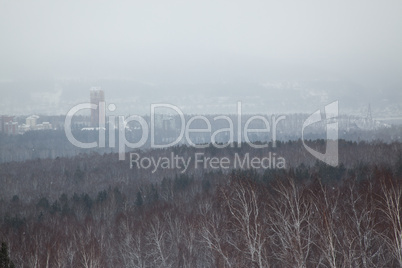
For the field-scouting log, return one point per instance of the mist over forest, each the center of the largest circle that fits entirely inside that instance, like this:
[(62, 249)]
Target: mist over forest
[(200, 134)]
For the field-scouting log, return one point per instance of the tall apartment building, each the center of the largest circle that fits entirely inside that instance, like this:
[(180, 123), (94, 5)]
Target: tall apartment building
[(97, 115), (11, 128), (4, 120)]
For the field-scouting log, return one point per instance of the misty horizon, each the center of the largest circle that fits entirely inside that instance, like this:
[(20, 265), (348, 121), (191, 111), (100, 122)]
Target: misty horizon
[(277, 57)]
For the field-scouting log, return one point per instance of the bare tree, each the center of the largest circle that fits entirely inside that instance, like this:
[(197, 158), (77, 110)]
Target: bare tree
[(365, 248), (391, 207), (327, 226), (89, 249), (213, 234), (246, 215), (291, 213), (132, 247), (158, 250)]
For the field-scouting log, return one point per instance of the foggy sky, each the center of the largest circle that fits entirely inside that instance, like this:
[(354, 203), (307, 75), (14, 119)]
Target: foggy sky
[(203, 41)]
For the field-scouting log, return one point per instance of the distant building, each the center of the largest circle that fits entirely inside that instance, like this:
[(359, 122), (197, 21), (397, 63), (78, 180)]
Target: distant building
[(43, 126), (11, 128), (23, 128), (97, 115), (5, 119), (31, 121), (46, 125)]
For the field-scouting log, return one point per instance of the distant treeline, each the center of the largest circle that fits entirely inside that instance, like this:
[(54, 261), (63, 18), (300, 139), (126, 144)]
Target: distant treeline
[(92, 210), (54, 143)]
